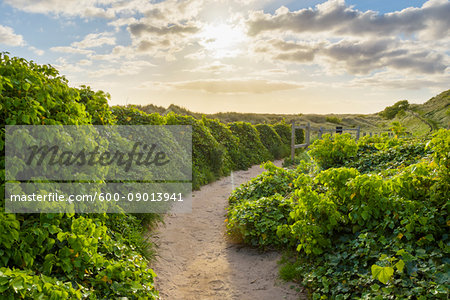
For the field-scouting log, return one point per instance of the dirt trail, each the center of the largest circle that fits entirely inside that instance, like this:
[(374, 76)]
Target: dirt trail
[(196, 260)]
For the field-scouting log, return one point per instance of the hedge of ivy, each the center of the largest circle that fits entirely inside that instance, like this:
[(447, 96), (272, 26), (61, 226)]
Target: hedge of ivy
[(55, 256), (209, 158), (381, 234), (95, 256), (272, 141), (225, 137), (252, 149)]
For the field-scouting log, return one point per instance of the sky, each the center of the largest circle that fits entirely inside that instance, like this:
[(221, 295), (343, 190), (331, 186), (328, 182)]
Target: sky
[(257, 56)]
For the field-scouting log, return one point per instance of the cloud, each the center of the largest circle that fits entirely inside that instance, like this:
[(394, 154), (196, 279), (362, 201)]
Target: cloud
[(72, 50), (141, 28), (165, 28), (85, 62), (334, 16), (398, 81), (93, 40), (9, 38), (236, 86), (356, 56), (215, 67), (366, 56), (36, 50), (83, 8), (287, 50)]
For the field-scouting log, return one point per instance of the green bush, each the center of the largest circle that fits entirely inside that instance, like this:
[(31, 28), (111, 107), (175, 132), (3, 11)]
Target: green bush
[(225, 137), (36, 94), (209, 158), (272, 141), (357, 236), (284, 131), (391, 111), (370, 158), (130, 115), (334, 119), (275, 181), (300, 156), (252, 150), (256, 222), (55, 256), (333, 151)]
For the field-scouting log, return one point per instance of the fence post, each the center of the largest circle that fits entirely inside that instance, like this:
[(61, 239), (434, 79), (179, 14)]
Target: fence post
[(358, 130), (320, 133), (293, 141), (307, 135)]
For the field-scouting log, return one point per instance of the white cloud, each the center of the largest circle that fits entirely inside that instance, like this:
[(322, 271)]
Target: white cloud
[(394, 80), (342, 39), (72, 50), (36, 50), (85, 62), (236, 86), (83, 8), (334, 16), (93, 40), (9, 38)]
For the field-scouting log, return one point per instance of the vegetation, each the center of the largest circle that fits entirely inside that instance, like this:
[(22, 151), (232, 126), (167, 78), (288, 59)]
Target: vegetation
[(252, 150), (98, 256), (54, 256), (366, 219), (334, 119), (272, 141), (354, 229), (416, 118), (391, 111)]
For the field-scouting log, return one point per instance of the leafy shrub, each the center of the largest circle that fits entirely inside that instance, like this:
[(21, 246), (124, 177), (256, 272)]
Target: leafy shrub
[(36, 94), (359, 235), (252, 150), (333, 151), (334, 119), (96, 104), (371, 159), (274, 181), (209, 158), (55, 256), (301, 156), (272, 141), (225, 137), (397, 128), (284, 131), (256, 222), (391, 111), (132, 116)]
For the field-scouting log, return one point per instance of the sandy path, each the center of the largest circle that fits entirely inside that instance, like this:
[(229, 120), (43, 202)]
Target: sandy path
[(196, 261)]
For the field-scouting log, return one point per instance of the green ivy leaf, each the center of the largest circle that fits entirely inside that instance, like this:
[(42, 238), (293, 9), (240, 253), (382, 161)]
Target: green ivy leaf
[(383, 274), (400, 265), (26, 86)]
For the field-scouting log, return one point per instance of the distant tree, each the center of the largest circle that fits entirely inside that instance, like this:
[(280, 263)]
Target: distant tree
[(391, 111)]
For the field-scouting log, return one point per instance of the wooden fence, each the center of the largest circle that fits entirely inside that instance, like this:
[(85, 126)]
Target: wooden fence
[(320, 131), (308, 129)]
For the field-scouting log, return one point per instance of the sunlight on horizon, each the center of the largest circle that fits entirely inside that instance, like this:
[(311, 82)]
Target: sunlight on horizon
[(222, 39)]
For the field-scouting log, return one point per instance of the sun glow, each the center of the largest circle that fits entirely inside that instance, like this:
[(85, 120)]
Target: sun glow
[(222, 40)]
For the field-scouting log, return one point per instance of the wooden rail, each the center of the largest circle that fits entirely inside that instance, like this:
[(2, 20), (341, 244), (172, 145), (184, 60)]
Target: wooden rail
[(307, 128)]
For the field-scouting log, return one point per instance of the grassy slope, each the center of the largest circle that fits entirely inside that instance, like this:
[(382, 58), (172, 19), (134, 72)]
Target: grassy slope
[(435, 111)]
